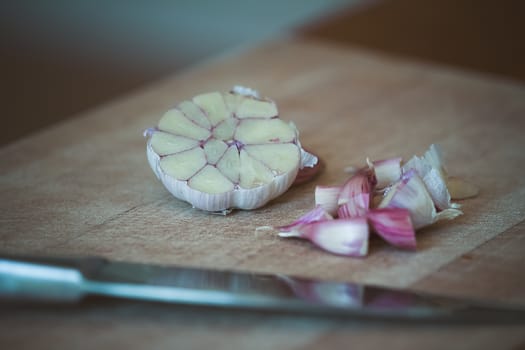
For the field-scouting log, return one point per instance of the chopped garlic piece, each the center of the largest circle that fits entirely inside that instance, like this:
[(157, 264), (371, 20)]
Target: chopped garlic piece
[(326, 197), (386, 171)]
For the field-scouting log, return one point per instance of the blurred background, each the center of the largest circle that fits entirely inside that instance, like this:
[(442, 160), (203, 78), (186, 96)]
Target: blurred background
[(63, 57), (60, 57)]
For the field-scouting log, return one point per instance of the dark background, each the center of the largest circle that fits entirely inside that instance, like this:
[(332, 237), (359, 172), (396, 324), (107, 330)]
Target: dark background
[(62, 57)]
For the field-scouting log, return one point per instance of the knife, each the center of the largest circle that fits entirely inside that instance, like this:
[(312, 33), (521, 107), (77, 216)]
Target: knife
[(71, 279)]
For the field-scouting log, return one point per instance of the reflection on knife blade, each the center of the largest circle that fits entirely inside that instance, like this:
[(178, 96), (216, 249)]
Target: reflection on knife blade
[(63, 279)]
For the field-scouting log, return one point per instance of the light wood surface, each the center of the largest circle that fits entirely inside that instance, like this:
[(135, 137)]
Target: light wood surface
[(84, 187)]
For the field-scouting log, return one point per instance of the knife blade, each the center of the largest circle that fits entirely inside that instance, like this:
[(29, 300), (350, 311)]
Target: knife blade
[(72, 279)]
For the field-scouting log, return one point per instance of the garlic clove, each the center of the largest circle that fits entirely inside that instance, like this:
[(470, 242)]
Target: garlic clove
[(185, 164), (386, 171), (412, 194), (253, 108), (258, 131), (210, 180), (281, 157), (358, 205), (214, 150), (214, 106), (343, 237), (176, 123), (253, 172), (326, 197), (164, 143), (294, 229), (354, 198), (418, 197), (194, 113), (357, 184), (441, 187), (224, 151), (229, 164), (394, 226), (225, 129), (432, 177), (234, 99)]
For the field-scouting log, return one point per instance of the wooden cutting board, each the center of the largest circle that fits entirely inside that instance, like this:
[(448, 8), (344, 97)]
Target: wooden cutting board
[(84, 186)]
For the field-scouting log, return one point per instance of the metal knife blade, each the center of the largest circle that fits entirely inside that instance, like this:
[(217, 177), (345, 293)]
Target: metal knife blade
[(71, 279)]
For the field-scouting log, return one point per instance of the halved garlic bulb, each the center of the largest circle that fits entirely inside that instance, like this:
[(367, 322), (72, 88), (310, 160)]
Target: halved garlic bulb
[(221, 151)]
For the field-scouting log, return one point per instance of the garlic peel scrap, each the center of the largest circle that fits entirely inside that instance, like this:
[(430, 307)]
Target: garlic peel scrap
[(224, 151), (461, 189)]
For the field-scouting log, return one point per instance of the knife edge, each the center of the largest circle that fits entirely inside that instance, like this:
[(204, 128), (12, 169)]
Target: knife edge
[(71, 279)]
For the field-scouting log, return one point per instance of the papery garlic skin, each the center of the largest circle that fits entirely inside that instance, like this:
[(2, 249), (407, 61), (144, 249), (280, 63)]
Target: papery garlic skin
[(434, 156), (239, 198), (224, 151), (411, 193)]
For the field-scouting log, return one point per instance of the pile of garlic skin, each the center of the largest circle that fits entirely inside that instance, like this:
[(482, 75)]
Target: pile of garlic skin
[(386, 196), (221, 151)]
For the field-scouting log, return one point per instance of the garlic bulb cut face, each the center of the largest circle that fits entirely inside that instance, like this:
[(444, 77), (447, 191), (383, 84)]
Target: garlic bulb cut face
[(225, 151)]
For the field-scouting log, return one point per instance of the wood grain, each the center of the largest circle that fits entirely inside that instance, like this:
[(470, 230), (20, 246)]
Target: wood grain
[(84, 187), (490, 271)]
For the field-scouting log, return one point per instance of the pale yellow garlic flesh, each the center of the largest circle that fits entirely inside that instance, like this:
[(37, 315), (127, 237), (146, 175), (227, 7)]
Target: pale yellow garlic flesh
[(221, 151)]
